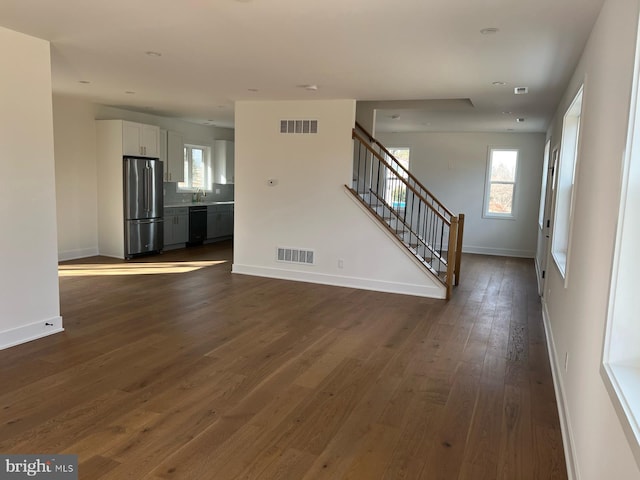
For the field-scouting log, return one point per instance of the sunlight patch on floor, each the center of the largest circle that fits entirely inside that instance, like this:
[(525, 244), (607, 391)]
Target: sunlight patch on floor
[(86, 270)]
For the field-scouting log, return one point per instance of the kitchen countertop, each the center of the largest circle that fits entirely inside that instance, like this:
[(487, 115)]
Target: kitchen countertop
[(196, 204)]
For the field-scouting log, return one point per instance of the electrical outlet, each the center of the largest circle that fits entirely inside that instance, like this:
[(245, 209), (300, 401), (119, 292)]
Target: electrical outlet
[(217, 191), (566, 361), (340, 263)]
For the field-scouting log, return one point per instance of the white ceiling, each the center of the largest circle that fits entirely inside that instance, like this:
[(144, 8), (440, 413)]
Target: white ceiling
[(215, 51)]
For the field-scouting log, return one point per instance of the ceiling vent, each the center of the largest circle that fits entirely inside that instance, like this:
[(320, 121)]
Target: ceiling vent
[(521, 90), (304, 256), (298, 126)]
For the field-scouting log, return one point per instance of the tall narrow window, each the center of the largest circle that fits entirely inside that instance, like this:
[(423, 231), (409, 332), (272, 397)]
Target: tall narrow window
[(543, 186), (621, 355), (500, 191), (565, 191), (395, 190)]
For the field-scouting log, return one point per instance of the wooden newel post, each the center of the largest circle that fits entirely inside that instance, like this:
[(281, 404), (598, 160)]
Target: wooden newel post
[(451, 254), (459, 247)]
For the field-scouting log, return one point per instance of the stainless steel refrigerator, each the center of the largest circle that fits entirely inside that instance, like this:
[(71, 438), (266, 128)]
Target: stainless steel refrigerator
[(143, 206)]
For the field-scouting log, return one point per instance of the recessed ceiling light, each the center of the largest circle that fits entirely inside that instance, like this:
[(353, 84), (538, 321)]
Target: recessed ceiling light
[(85, 82), (151, 53), (489, 31), (498, 84), (521, 90), (130, 92), (520, 120), (253, 89), (307, 86)]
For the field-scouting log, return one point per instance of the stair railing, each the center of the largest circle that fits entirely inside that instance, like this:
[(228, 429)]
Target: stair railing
[(411, 179), (423, 225)]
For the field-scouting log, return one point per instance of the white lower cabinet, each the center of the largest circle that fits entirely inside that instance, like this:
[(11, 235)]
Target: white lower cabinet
[(176, 225)]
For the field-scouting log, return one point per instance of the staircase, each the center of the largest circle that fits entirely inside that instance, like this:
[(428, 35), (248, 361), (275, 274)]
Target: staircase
[(417, 219)]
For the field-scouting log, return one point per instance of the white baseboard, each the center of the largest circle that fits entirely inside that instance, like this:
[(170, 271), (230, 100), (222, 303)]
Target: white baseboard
[(32, 331), (563, 412), (79, 253), (500, 252), (538, 276), (430, 291)]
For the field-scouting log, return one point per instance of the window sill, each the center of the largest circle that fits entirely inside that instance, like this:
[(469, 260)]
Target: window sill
[(497, 216), (623, 385), (560, 259)]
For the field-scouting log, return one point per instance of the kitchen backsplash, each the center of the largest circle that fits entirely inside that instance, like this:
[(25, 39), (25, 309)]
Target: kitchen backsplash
[(219, 193)]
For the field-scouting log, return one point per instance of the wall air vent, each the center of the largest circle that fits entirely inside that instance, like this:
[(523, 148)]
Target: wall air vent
[(298, 126), (305, 256)]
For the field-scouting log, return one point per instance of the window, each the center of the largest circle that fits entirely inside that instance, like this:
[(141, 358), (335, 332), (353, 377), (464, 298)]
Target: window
[(565, 190), (395, 192), (543, 186), (197, 168), (621, 355), (500, 189)]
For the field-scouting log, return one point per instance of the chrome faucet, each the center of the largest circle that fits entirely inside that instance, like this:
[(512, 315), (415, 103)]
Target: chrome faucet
[(198, 195)]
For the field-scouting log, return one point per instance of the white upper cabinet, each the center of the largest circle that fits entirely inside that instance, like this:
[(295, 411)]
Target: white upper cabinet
[(163, 146), (224, 166), (140, 140), (174, 166)]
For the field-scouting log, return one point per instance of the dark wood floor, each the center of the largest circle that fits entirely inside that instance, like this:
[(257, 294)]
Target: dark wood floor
[(172, 368)]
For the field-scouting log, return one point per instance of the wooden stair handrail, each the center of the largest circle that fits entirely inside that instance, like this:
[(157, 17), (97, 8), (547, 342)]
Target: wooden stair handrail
[(407, 185), (459, 248), (409, 174), (454, 223)]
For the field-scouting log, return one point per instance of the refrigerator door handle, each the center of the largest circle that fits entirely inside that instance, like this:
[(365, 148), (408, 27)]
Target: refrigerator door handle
[(147, 188)]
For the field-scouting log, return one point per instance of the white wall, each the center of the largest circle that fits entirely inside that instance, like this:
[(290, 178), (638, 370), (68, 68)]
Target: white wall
[(29, 295), (76, 165), (75, 153), (309, 208), (576, 314), (453, 167)]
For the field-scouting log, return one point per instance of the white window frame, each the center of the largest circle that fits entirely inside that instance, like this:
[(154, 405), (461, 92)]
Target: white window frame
[(488, 183), (543, 185), (188, 147), (565, 193), (621, 355)]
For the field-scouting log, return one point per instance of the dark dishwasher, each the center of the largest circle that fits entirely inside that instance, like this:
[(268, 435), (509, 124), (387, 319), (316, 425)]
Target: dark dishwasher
[(197, 225)]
